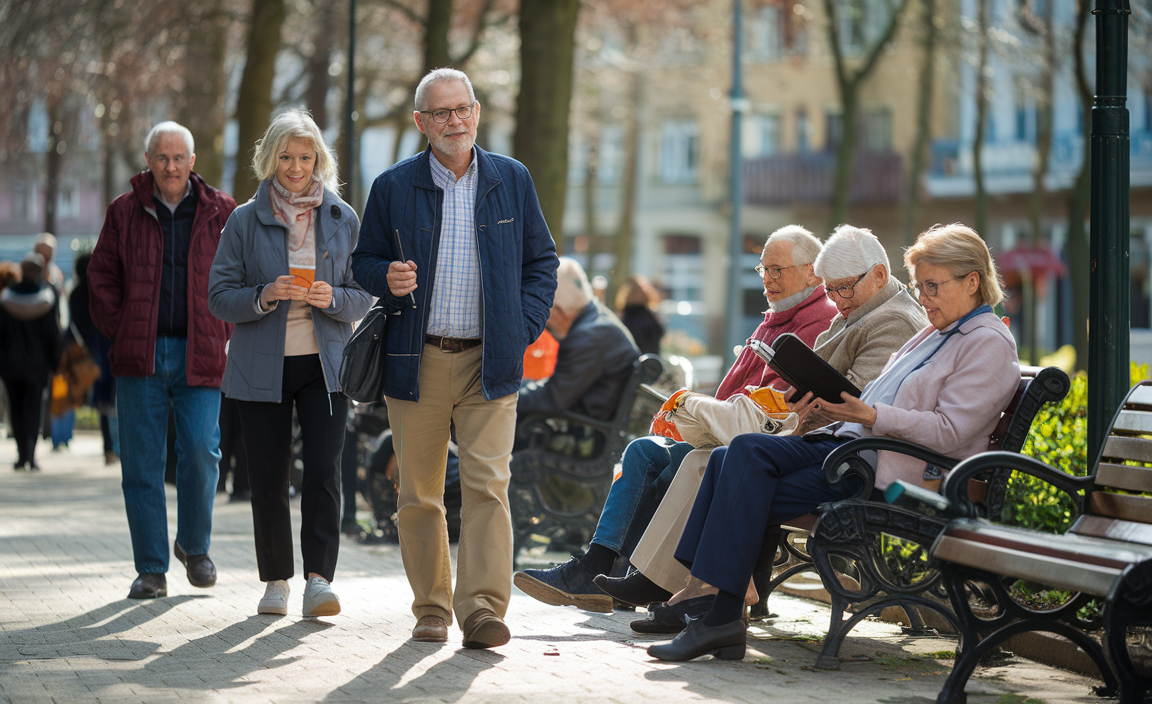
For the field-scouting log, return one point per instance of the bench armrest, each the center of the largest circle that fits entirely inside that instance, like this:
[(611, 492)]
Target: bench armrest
[(955, 486), (845, 460)]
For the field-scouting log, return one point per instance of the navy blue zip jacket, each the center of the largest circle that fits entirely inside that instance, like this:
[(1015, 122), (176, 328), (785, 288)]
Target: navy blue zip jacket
[(517, 266)]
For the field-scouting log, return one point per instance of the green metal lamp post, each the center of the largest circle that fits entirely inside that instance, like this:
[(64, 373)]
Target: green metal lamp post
[(1109, 314)]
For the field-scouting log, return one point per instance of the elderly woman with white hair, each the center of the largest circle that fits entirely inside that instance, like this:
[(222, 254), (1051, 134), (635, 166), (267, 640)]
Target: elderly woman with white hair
[(944, 389), (283, 275)]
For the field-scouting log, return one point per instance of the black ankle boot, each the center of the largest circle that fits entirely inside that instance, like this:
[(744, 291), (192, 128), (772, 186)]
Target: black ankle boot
[(635, 589)]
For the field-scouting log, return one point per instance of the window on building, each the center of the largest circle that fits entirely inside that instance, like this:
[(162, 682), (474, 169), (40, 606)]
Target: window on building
[(679, 151), (766, 34), (683, 274), (833, 130), (68, 202), (803, 132), (611, 156), (878, 130), (760, 136), (853, 23)]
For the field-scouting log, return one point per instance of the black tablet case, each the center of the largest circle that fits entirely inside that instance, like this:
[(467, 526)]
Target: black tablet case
[(806, 371)]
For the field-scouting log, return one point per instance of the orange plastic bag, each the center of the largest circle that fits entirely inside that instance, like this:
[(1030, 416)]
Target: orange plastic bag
[(540, 357)]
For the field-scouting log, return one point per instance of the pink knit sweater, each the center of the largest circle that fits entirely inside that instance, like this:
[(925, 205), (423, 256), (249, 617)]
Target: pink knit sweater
[(807, 320)]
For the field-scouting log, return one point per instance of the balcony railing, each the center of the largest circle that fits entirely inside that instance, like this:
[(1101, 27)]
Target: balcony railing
[(951, 158), (877, 177)]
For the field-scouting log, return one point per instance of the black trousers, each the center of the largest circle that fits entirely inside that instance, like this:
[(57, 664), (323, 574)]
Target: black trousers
[(25, 405), (232, 456), (267, 431)]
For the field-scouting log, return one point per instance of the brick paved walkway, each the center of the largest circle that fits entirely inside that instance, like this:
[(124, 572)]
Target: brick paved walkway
[(67, 634)]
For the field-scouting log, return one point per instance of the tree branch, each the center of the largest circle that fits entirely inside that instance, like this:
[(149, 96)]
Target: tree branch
[(406, 11), (878, 47)]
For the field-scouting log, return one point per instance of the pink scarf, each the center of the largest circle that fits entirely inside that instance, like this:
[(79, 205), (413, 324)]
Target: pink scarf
[(296, 210)]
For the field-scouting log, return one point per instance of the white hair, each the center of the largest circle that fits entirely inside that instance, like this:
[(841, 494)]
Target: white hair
[(436, 76), (850, 251), (169, 127), (805, 246), (573, 292), (295, 124), (47, 238)]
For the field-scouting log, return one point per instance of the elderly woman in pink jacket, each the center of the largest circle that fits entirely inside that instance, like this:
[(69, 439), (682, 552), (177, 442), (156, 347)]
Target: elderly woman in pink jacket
[(944, 389)]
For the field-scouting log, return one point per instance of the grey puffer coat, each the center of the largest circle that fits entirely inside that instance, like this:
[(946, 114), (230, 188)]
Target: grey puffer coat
[(254, 251)]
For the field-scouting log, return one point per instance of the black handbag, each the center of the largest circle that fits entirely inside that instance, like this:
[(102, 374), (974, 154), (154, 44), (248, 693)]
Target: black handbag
[(362, 366)]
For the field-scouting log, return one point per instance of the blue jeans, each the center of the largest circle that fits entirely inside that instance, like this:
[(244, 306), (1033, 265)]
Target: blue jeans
[(62, 428), (644, 459), (756, 482), (142, 409)]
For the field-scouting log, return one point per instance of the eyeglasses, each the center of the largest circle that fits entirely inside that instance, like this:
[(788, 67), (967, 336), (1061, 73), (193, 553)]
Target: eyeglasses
[(774, 272), (845, 291), (930, 288), (442, 115)]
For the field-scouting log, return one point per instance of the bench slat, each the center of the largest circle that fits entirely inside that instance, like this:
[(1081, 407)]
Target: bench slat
[(1127, 508), (1134, 422), (1113, 529), (1056, 572), (1142, 396), (1126, 477), (1138, 449)]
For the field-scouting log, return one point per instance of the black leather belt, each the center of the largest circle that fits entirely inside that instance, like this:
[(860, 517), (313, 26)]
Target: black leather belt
[(452, 344)]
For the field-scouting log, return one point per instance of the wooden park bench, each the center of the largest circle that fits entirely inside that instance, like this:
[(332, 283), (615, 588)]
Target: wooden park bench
[(851, 546), (569, 455), (1105, 555)]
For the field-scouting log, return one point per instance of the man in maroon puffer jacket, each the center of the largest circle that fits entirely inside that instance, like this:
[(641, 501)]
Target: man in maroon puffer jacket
[(148, 288)]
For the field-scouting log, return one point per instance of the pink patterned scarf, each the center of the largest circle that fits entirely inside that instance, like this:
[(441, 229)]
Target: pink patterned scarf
[(296, 210)]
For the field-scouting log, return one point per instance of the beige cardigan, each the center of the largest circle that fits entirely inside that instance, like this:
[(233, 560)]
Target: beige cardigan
[(859, 349)]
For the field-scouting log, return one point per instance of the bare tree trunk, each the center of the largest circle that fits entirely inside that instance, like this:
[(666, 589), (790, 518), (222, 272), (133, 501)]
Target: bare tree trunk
[(981, 117), (625, 225), (319, 80), (254, 103), (591, 183), (547, 43), (53, 160), (438, 22), (849, 82), (1076, 254), (200, 106), (923, 122), (1039, 173)]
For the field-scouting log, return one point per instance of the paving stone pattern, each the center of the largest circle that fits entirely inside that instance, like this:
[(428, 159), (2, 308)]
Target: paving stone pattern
[(68, 634)]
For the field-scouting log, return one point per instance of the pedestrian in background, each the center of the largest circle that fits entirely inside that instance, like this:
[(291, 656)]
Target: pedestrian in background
[(148, 294), (636, 304), (455, 244), (98, 345), (29, 311), (283, 275)]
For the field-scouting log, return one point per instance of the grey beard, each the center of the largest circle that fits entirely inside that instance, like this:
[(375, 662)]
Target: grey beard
[(791, 301)]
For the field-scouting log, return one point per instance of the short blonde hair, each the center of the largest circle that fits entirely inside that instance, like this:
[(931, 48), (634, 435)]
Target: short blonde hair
[(295, 124), (961, 251)]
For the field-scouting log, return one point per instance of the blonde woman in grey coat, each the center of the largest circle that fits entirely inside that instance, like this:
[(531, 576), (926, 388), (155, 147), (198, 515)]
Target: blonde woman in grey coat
[(283, 275)]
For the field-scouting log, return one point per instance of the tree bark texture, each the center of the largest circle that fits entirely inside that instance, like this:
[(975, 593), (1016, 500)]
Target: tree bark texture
[(622, 243), (923, 122), (53, 161), (981, 117), (547, 42), (849, 81), (1039, 173), (319, 80), (254, 103), (200, 106), (437, 23)]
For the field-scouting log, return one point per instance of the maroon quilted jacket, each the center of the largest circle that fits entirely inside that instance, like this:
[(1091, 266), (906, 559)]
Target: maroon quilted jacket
[(124, 282)]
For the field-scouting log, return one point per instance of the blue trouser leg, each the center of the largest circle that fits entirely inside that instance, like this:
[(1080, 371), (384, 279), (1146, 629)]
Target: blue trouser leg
[(197, 413), (759, 480), (643, 460), (142, 405)]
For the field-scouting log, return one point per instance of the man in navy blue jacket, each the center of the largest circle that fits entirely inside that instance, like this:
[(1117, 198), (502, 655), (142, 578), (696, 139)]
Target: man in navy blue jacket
[(454, 244)]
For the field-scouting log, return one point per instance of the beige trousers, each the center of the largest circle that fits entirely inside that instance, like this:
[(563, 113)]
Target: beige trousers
[(450, 392), (655, 554)]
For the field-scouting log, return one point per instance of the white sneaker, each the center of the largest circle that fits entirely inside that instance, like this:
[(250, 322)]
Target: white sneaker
[(319, 599), (275, 599)]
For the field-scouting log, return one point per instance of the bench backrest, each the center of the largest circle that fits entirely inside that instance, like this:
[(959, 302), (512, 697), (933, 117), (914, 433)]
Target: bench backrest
[(1120, 503), (1038, 385)]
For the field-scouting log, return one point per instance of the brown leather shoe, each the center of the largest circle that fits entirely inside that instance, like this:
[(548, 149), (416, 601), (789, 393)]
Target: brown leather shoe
[(148, 586), (200, 569), (431, 629), (484, 629)]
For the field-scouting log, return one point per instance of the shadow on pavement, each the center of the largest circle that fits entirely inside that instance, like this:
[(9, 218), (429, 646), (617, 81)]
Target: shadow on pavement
[(81, 635), (448, 679)]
